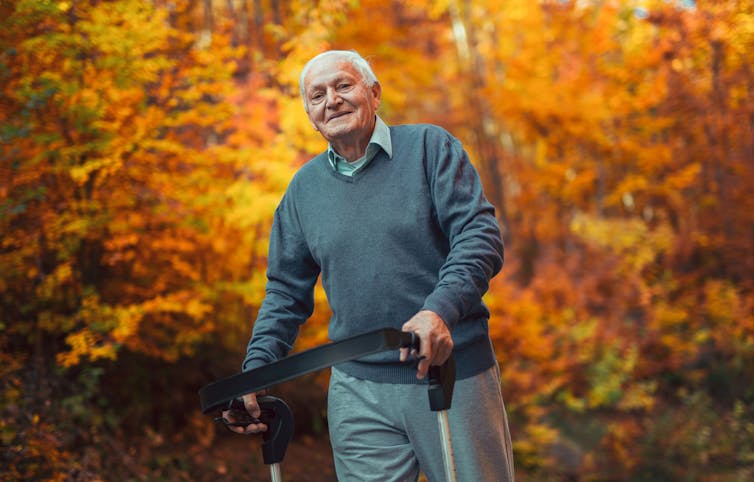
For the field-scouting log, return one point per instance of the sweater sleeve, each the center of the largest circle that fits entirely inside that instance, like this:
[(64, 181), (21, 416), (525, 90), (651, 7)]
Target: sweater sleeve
[(468, 220), (289, 294)]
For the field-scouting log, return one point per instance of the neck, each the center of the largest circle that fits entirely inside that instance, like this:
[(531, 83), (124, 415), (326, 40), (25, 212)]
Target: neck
[(351, 151), (353, 148)]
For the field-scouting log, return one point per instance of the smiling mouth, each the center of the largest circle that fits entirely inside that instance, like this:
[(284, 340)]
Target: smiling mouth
[(338, 115)]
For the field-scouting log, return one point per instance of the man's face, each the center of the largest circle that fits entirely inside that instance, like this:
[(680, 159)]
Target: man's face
[(340, 106)]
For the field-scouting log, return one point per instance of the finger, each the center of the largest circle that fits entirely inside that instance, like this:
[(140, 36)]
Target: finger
[(254, 428), (248, 428), (228, 415), (422, 368), (426, 348), (448, 348), (443, 353), (251, 428), (404, 354), (242, 429), (250, 402)]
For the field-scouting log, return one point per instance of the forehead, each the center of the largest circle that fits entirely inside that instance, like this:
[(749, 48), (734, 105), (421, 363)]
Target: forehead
[(329, 69)]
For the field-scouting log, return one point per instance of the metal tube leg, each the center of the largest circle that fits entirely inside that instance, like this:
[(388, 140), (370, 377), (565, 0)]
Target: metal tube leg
[(447, 446), (275, 473)]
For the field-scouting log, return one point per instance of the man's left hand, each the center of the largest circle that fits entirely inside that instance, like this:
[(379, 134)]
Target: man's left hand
[(435, 343)]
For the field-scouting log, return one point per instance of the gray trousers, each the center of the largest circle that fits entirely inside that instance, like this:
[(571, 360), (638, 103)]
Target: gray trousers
[(384, 432)]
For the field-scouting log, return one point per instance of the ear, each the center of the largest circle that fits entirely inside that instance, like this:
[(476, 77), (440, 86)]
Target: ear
[(376, 94)]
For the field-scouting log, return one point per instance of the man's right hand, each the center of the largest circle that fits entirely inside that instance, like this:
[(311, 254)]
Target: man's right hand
[(252, 407)]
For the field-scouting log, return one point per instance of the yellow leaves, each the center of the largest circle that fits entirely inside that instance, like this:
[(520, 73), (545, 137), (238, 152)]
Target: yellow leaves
[(572, 402), (683, 178), (722, 302), (610, 367), (315, 331), (624, 192), (718, 317), (728, 316), (128, 30), (252, 205), (172, 325), (297, 135), (669, 316), (532, 442), (92, 341), (106, 328), (631, 239), (127, 319), (437, 8), (742, 34), (84, 344), (251, 200), (180, 302), (609, 374), (638, 395), (80, 174), (54, 284), (582, 334), (611, 380)]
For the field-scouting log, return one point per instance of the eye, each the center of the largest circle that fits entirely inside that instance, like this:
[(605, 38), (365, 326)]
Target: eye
[(343, 86), (316, 97)]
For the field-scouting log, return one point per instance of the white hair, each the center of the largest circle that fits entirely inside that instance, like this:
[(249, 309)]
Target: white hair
[(350, 56)]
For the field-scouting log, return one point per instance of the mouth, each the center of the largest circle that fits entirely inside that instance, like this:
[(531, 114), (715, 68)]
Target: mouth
[(337, 115)]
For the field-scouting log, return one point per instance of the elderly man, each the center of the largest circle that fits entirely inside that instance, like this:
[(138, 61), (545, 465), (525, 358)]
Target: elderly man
[(395, 221)]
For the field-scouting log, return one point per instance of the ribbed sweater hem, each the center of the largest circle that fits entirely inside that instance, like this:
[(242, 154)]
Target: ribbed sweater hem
[(472, 359)]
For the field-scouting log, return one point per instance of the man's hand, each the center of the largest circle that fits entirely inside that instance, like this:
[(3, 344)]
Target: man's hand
[(435, 343), (252, 407)]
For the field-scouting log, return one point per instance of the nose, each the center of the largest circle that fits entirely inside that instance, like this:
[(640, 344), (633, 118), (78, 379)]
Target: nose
[(333, 99)]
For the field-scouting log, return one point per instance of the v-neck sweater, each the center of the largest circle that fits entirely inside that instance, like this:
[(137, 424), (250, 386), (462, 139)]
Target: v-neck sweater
[(406, 233)]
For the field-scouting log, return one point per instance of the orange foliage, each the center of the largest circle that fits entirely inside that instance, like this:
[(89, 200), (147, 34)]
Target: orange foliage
[(145, 144)]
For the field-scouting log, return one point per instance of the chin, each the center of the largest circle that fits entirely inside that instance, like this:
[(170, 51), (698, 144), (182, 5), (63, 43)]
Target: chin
[(338, 132)]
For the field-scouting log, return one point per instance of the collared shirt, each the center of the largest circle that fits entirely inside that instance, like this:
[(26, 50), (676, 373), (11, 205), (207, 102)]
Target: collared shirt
[(380, 140)]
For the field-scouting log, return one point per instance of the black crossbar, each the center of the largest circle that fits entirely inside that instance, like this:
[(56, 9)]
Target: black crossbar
[(216, 395)]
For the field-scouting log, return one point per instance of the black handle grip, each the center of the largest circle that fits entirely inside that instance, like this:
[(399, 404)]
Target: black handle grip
[(442, 379), (279, 420), (413, 341)]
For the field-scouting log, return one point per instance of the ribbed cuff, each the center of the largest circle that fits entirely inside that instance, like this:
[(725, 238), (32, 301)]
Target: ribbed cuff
[(443, 307)]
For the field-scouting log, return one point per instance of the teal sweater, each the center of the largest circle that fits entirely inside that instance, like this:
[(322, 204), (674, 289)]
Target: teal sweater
[(406, 233)]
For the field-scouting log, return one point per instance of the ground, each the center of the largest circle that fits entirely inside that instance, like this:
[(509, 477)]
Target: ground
[(238, 458)]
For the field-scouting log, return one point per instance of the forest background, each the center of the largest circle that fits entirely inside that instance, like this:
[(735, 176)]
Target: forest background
[(145, 143)]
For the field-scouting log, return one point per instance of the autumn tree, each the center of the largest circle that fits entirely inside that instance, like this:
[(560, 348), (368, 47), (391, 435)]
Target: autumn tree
[(145, 144), (113, 178)]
